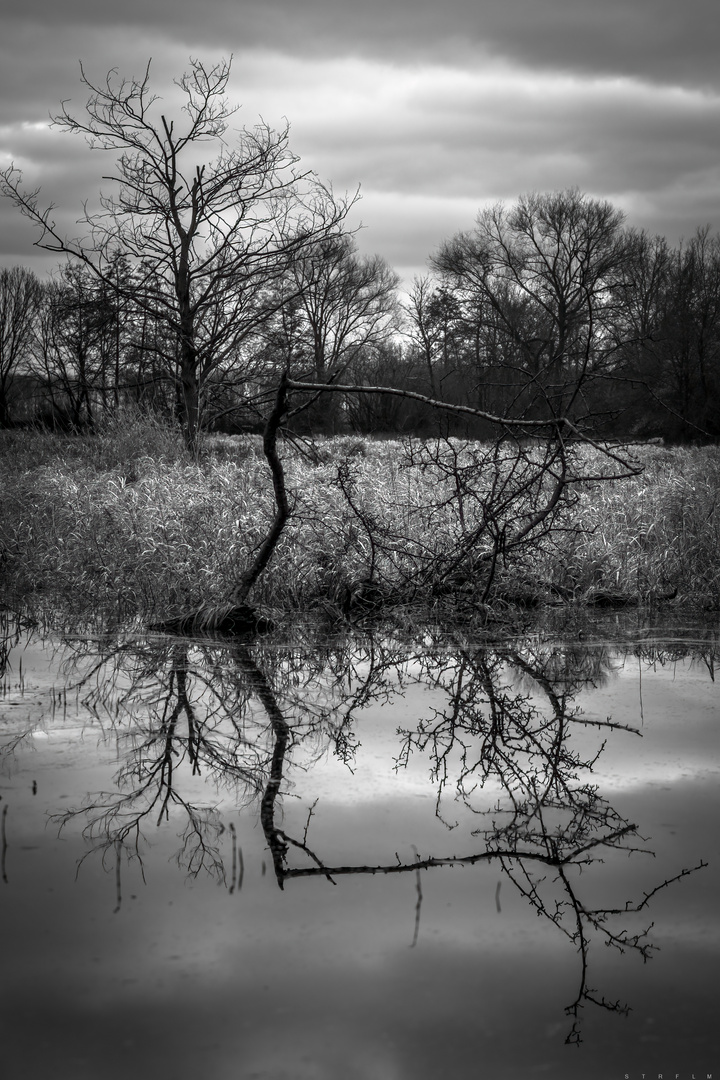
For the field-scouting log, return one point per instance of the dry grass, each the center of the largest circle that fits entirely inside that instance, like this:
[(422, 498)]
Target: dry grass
[(649, 534), (127, 520)]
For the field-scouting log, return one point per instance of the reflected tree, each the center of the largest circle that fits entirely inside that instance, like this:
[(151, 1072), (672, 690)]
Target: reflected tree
[(504, 741), (546, 823)]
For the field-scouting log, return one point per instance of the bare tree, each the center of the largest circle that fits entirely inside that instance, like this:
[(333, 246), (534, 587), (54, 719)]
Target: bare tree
[(540, 281), (209, 241), (19, 305), (667, 373), (75, 346), (347, 304)]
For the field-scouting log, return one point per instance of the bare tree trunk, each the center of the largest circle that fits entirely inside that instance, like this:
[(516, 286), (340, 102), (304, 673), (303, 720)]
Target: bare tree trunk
[(238, 616), (282, 512), (189, 399)]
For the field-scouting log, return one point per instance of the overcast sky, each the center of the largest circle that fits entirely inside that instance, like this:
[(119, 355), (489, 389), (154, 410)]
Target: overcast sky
[(435, 109)]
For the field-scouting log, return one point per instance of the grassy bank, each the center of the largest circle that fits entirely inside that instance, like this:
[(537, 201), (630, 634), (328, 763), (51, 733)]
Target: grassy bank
[(127, 519)]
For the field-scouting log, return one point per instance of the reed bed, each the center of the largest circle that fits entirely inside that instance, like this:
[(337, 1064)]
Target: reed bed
[(651, 534), (126, 519)]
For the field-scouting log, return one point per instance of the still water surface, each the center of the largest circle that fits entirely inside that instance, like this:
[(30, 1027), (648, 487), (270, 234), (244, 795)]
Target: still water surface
[(378, 858)]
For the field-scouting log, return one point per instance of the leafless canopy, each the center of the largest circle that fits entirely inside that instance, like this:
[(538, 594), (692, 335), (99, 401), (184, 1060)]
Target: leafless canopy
[(209, 233)]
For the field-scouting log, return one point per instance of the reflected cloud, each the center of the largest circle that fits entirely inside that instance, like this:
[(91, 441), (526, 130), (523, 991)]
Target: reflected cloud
[(511, 764)]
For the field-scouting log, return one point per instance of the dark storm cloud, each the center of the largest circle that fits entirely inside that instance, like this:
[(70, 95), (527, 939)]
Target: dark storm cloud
[(40, 64), (435, 109), (660, 40)]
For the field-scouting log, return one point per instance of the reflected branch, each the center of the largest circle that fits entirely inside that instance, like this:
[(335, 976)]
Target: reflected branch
[(489, 734), (418, 905), (501, 739), (3, 854)]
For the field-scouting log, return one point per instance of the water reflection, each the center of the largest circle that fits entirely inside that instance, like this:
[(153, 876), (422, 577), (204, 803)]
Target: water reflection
[(496, 729)]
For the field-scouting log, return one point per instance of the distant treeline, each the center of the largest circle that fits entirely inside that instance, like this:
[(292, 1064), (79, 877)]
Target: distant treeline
[(551, 306)]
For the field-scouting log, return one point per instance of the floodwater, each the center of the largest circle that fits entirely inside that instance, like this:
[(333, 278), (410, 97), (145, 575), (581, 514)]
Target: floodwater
[(392, 857)]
